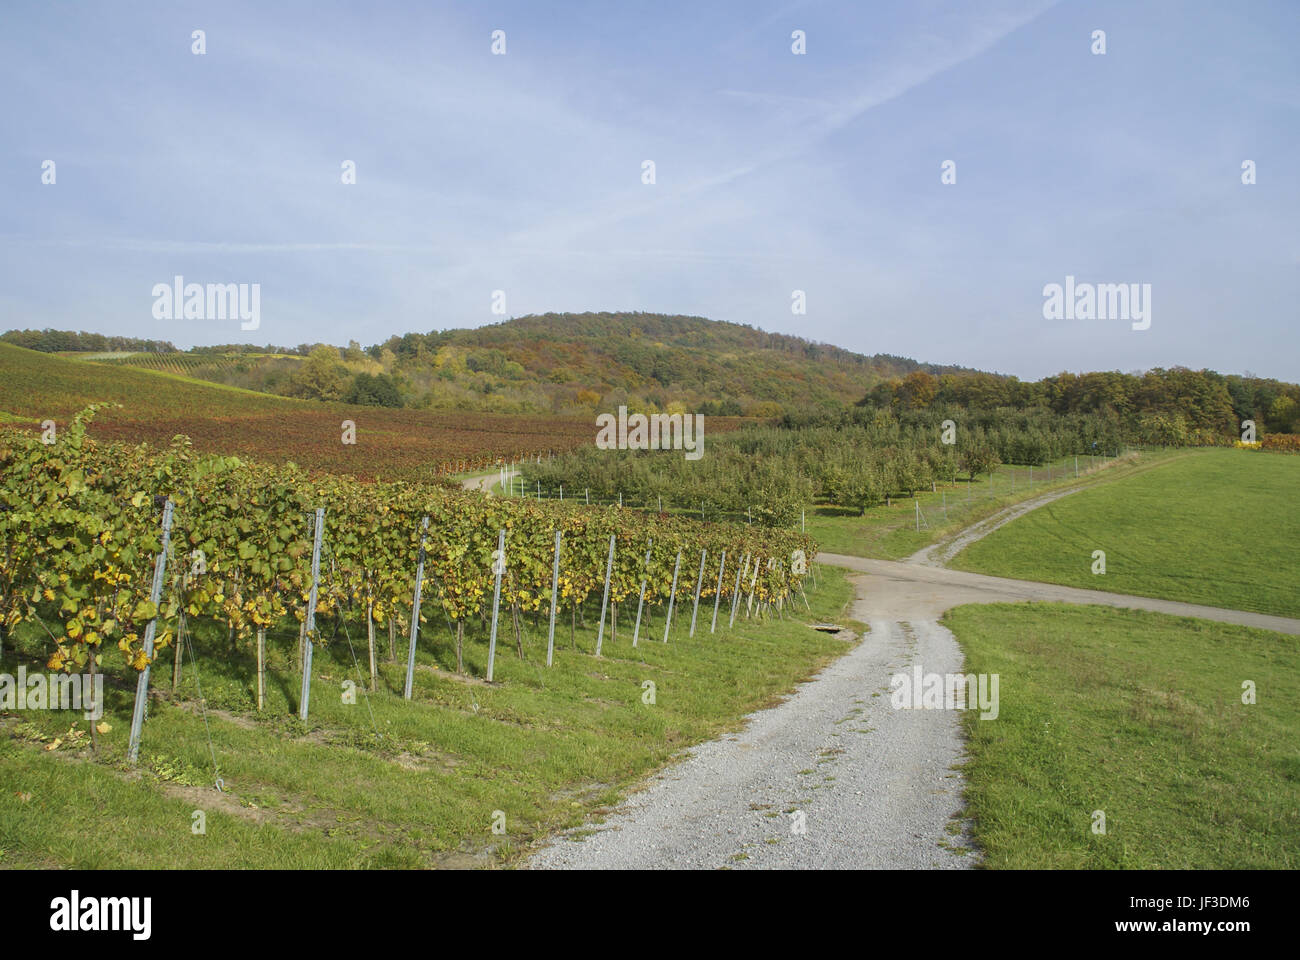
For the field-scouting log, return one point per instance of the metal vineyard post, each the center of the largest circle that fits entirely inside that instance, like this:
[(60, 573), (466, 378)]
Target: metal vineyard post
[(155, 594), (672, 594), (305, 697), (555, 584), (604, 600), (717, 592), (498, 568), (415, 612)]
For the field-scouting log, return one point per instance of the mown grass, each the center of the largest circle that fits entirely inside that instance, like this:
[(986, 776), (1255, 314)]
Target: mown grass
[(1138, 715), (889, 532), (1218, 527), (417, 786)]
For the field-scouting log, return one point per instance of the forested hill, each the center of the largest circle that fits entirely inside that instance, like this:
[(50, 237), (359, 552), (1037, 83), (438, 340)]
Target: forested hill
[(567, 361)]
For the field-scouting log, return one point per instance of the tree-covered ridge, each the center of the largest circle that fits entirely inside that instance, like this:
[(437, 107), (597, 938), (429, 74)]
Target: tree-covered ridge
[(572, 362), (1168, 407), (61, 341), (557, 363)]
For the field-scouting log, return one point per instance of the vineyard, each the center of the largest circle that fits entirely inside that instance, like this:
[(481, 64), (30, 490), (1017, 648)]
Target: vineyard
[(115, 546), (178, 363), (401, 444)]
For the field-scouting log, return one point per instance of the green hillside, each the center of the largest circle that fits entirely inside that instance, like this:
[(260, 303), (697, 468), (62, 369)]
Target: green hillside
[(554, 363)]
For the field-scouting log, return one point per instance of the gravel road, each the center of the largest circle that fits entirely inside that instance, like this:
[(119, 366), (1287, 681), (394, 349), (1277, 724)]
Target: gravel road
[(869, 785)]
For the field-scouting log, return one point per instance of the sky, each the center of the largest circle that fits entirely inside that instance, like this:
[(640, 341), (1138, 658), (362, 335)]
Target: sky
[(774, 171)]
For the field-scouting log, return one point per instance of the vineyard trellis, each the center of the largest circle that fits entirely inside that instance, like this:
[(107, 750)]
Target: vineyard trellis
[(82, 544)]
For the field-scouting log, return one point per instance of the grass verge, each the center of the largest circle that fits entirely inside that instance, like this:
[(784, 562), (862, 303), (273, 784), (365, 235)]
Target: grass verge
[(1140, 716), (1217, 527)]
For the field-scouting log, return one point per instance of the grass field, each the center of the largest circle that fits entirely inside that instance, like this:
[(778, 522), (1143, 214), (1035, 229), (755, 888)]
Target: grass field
[(1218, 527), (1138, 715), (890, 533), (545, 747), (391, 444)]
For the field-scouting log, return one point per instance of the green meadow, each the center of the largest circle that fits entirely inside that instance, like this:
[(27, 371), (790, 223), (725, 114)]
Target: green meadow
[(1139, 716), (1217, 527)]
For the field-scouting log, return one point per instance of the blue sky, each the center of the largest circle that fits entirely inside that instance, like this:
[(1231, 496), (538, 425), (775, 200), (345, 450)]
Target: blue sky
[(774, 172)]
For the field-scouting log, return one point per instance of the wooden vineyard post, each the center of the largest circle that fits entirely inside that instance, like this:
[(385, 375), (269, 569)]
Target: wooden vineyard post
[(415, 612), (699, 582), (555, 586), (641, 598), (155, 595), (310, 625), (498, 568), (735, 591), (672, 595), (717, 592), (604, 600)]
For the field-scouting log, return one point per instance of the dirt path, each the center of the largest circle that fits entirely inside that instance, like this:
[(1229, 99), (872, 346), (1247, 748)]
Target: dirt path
[(938, 554), (487, 481)]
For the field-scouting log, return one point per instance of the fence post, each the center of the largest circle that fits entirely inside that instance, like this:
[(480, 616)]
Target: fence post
[(604, 600), (717, 592), (699, 583), (155, 595), (735, 591), (641, 599), (672, 595), (498, 568), (555, 584), (311, 615), (415, 613)]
